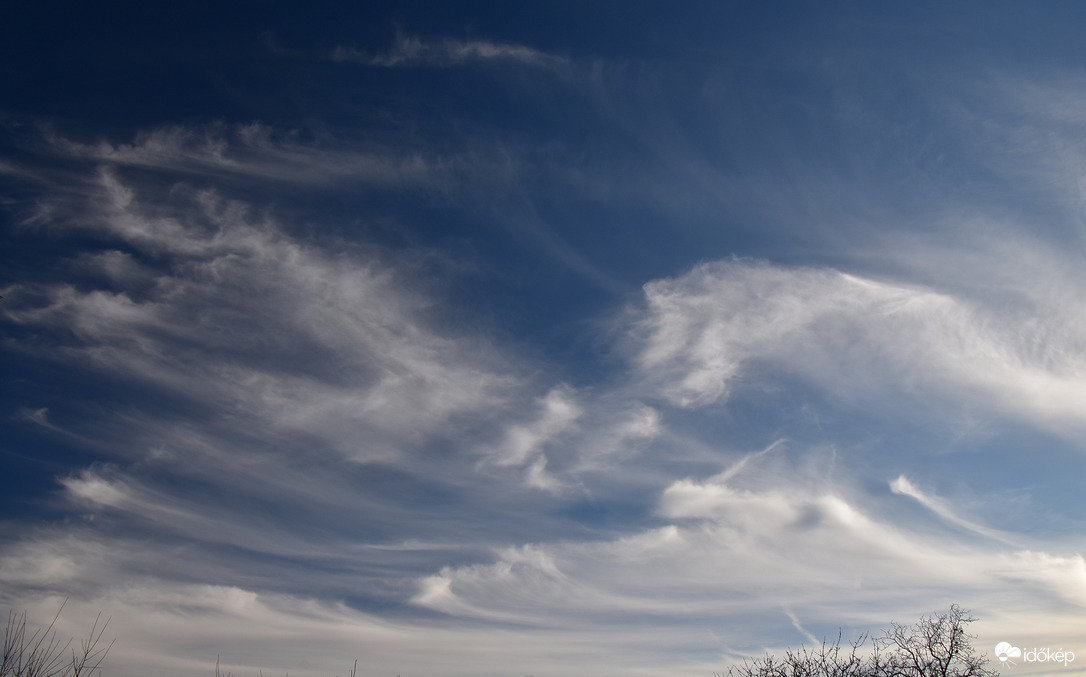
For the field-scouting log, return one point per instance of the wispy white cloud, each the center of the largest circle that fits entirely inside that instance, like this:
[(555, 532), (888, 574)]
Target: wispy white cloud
[(38, 416), (409, 50), (14, 170), (799, 627), (97, 490), (252, 151), (316, 406), (482, 178), (903, 486), (344, 351), (856, 336), (734, 550), (523, 443)]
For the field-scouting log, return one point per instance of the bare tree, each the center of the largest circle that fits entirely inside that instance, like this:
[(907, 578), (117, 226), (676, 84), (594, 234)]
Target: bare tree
[(936, 646), (43, 654)]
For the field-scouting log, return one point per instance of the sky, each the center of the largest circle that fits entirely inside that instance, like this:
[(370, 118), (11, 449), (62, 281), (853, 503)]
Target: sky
[(501, 339)]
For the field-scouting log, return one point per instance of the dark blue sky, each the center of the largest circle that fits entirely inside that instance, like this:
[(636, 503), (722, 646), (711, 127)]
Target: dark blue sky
[(550, 338)]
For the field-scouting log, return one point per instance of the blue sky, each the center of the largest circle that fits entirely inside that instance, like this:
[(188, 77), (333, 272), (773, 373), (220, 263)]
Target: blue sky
[(541, 338)]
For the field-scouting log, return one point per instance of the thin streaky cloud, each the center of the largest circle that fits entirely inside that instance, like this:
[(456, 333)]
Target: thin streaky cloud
[(742, 463), (799, 627), (409, 50), (38, 416), (904, 487), (14, 170), (219, 254), (249, 150), (248, 153)]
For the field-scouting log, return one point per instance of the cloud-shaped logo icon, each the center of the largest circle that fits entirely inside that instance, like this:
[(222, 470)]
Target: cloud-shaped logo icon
[(1004, 651)]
